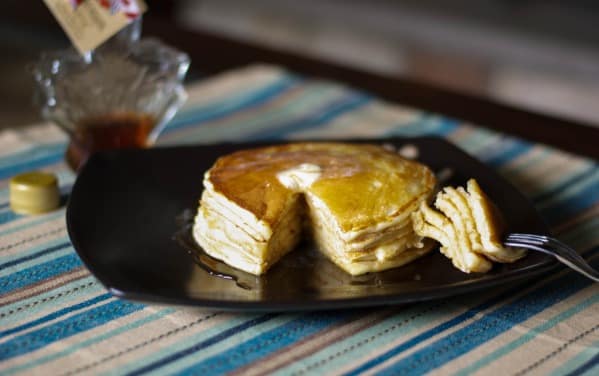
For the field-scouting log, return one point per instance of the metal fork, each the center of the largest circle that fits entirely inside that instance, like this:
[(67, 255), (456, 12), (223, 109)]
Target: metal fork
[(555, 248)]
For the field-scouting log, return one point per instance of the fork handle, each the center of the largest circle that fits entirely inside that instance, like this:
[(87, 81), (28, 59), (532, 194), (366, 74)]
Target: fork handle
[(576, 263)]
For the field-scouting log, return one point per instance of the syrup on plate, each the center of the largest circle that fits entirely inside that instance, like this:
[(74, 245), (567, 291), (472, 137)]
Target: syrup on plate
[(306, 267)]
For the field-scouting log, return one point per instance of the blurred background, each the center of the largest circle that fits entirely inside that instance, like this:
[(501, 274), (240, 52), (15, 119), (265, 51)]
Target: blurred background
[(541, 56)]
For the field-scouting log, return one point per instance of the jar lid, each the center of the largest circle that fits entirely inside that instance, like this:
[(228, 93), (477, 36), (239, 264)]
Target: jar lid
[(34, 193)]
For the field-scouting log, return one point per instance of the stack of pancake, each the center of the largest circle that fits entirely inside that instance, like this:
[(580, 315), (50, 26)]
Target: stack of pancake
[(355, 200)]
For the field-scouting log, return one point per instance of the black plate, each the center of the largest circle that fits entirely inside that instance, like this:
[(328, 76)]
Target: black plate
[(123, 214)]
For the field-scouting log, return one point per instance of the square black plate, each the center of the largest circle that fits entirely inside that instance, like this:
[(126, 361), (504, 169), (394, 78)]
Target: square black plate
[(122, 217)]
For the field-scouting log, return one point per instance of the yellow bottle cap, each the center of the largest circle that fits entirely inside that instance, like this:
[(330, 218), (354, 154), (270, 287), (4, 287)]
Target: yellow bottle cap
[(34, 193)]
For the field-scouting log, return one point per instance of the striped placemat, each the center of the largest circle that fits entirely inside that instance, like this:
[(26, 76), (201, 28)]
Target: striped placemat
[(55, 318)]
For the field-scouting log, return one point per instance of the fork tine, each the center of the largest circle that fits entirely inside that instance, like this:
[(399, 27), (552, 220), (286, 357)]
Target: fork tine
[(528, 237), (520, 244), (533, 239)]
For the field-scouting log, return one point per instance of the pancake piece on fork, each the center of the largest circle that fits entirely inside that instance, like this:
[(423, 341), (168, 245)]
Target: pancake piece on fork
[(469, 227)]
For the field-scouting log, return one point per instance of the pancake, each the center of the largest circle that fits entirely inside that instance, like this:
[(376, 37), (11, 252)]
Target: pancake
[(468, 226), (354, 200)]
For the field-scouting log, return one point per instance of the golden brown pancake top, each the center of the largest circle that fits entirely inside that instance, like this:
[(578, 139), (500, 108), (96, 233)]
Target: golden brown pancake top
[(362, 185)]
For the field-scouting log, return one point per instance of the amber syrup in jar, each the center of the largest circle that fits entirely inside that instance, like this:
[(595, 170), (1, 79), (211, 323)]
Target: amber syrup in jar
[(111, 131)]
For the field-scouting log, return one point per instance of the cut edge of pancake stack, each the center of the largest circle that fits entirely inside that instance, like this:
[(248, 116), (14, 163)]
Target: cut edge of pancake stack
[(468, 226), (232, 234), (246, 240), (385, 245)]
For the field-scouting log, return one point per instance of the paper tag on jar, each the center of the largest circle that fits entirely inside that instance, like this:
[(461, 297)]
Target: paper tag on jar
[(88, 23)]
